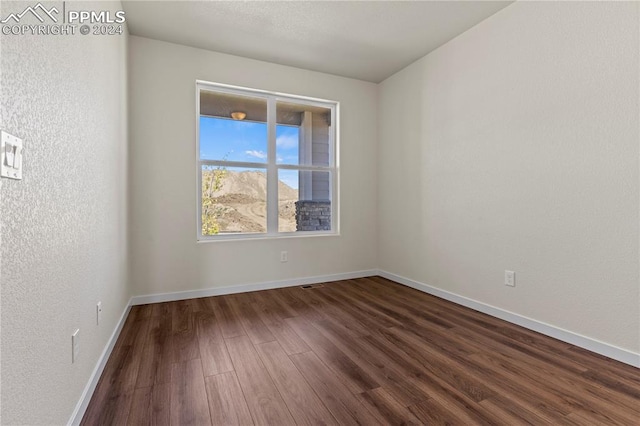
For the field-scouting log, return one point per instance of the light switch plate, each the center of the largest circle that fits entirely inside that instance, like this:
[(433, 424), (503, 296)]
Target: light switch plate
[(10, 156)]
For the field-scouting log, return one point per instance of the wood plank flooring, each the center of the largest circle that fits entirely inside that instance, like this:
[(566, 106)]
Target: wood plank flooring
[(354, 352)]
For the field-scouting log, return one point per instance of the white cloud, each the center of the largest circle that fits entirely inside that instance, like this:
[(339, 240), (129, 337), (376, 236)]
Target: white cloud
[(257, 154), (287, 141)]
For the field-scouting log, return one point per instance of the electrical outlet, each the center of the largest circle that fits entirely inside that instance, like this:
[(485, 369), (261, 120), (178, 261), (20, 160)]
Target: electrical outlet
[(284, 256), (509, 278), (98, 312), (75, 345)]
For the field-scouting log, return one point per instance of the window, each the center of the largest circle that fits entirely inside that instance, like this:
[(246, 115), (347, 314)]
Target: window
[(266, 164)]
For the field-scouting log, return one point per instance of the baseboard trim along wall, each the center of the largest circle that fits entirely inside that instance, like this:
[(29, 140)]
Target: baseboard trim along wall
[(244, 288), (83, 403), (593, 345), (584, 342)]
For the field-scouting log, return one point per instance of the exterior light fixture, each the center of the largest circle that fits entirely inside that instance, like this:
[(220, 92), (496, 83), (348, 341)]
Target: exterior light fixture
[(238, 115)]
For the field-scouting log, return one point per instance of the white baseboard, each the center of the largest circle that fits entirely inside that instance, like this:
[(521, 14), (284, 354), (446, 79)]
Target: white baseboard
[(268, 285), (83, 403), (588, 343)]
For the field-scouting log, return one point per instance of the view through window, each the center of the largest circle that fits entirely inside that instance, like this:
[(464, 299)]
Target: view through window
[(266, 163)]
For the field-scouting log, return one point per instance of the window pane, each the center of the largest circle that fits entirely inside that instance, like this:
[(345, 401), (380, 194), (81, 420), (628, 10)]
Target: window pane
[(287, 198), (234, 200), (304, 200), (223, 137), (287, 144), (303, 134)]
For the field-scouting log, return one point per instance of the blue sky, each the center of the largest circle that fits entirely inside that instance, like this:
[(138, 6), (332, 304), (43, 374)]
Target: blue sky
[(246, 141), (231, 140)]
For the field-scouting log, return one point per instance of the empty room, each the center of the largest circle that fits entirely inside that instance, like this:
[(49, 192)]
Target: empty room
[(320, 212)]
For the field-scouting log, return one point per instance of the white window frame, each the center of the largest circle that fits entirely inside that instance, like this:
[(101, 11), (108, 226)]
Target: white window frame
[(271, 165)]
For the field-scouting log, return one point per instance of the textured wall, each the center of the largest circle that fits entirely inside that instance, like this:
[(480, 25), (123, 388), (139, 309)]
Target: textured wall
[(165, 255), (64, 225), (515, 146), (2, 126)]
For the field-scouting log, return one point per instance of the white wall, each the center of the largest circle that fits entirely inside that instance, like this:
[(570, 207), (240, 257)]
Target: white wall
[(64, 225), (1, 203), (515, 146), (165, 255)]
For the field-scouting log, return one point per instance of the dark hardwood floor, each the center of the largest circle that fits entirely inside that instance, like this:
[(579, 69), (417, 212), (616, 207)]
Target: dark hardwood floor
[(365, 351)]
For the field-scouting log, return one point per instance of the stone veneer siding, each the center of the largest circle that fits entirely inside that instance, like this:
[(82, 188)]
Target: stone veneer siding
[(313, 215)]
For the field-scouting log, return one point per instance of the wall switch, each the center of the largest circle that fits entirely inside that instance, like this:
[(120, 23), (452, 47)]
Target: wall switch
[(75, 345), (98, 312), (510, 278), (284, 256), (10, 156)]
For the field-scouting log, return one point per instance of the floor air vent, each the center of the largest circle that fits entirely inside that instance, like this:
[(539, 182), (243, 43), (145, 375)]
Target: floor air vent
[(307, 287)]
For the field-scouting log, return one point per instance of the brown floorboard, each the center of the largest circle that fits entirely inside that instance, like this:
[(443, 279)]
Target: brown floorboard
[(304, 405), (213, 352), (383, 406), (226, 400), (265, 402), (189, 404), (354, 352)]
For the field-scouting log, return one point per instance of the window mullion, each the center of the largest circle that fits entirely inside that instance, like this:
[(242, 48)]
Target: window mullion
[(272, 169)]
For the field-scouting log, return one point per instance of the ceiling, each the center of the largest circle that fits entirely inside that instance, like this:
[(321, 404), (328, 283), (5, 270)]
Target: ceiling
[(358, 39)]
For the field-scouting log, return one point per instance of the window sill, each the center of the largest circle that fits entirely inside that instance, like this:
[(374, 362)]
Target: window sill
[(257, 237)]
